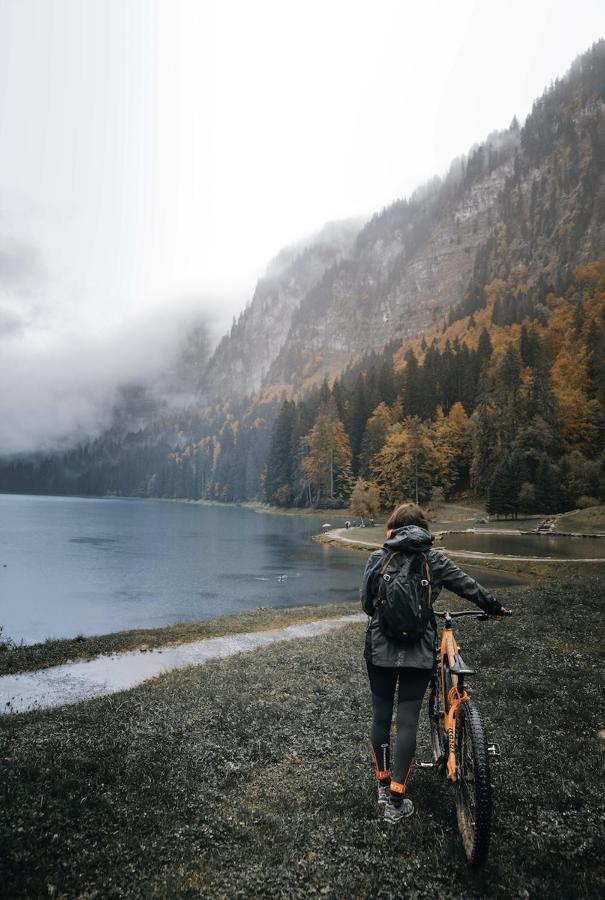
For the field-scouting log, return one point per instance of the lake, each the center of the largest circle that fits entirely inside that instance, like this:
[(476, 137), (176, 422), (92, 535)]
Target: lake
[(545, 545), (73, 565)]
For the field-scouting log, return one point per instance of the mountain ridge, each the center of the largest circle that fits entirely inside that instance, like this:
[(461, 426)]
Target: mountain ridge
[(332, 326)]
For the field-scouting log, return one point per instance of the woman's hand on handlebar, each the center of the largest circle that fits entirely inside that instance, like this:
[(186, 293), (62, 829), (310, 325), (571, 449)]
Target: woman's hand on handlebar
[(500, 613)]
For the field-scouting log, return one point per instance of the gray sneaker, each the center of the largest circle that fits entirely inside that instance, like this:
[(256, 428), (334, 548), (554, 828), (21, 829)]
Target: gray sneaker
[(394, 814), (383, 793)]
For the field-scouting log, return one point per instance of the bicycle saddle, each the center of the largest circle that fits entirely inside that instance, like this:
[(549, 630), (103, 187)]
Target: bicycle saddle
[(461, 668)]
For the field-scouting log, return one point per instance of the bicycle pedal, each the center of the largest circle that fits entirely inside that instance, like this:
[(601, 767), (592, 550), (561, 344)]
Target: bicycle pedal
[(493, 749)]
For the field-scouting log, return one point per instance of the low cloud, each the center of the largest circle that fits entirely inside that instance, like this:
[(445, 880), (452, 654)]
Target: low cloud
[(58, 389), (20, 262)]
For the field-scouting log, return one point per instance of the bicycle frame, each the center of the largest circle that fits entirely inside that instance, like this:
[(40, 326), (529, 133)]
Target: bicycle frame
[(451, 699), (456, 694), (458, 741)]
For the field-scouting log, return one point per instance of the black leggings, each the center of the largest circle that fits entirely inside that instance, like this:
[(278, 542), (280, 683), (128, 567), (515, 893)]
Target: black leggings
[(412, 685)]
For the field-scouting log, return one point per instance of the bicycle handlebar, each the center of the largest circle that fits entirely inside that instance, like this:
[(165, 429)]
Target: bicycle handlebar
[(477, 614)]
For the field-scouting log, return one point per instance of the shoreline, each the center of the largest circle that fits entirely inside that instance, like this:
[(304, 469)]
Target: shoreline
[(58, 651), (336, 536), (77, 681), (470, 508), (533, 569)]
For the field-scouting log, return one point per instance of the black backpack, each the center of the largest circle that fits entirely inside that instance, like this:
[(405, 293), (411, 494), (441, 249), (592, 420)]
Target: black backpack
[(404, 603)]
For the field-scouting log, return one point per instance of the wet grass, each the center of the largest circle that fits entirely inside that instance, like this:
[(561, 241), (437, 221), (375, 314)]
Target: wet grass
[(29, 657), (588, 520), (251, 777)]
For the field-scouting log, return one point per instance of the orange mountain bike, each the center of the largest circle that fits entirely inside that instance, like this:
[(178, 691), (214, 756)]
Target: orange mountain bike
[(459, 743)]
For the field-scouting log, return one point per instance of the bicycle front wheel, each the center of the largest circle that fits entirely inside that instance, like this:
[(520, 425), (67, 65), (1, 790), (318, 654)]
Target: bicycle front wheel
[(473, 788)]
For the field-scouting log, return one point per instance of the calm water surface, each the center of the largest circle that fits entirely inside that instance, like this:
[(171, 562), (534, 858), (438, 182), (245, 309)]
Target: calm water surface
[(552, 545), (73, 566)]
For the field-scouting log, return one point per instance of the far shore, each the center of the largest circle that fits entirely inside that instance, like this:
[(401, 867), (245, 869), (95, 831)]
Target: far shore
[(532, 569)]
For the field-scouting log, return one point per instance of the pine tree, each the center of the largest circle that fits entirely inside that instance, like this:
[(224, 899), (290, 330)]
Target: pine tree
[(358, 416), (505, 486), (484, 349), (374, 437), (279, 471), (412, 393), (548, 489)]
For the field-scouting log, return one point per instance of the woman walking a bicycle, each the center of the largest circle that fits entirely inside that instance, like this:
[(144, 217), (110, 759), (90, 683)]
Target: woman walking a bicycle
[(401, 581)]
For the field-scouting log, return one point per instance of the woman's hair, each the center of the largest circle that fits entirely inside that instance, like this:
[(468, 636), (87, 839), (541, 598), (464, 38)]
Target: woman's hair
[(407, 514)]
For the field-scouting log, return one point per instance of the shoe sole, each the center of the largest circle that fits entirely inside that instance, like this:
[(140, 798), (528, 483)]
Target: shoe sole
[(399, 818)]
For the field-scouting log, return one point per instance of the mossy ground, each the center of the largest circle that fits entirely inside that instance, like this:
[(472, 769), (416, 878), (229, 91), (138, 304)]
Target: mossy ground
[(589, 520), (251, 776)]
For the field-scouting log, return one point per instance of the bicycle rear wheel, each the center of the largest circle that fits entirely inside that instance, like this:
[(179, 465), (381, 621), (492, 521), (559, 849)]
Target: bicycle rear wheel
[(473, 788)]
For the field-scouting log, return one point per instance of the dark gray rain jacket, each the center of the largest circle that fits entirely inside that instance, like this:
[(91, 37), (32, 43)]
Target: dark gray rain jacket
[(381, 650)]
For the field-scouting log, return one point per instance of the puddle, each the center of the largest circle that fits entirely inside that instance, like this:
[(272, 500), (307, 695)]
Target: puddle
[(76, 681)]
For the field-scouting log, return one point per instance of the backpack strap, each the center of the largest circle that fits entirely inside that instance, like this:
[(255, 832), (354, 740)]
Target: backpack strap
[(427, 573), (387, 563)]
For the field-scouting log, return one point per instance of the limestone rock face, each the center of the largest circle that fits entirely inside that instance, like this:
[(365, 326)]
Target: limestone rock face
[(241, 362), (410, 265), (524, 206), (351, 289)]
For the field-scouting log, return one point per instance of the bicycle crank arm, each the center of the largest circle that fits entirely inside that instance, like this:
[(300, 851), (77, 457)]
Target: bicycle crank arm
[(425, 765)]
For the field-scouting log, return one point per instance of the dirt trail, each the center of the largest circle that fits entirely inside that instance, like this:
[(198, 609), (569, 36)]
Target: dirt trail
[(338, 536)]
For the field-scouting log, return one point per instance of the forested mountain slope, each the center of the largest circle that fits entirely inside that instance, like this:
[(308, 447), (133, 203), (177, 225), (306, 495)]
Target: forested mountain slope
[(462, 333)]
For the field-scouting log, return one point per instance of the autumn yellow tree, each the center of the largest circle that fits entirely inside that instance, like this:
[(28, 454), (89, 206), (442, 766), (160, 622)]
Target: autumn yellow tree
[(569, 379), (453, 448), (365, 500), (405, 466), (374, 436), (327, 460)]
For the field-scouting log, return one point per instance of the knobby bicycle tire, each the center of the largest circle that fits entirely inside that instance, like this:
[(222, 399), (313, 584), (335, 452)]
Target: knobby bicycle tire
[(473, 788)]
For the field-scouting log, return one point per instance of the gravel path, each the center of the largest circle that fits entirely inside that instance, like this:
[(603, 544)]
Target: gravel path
[(338, 536), (76, 681)]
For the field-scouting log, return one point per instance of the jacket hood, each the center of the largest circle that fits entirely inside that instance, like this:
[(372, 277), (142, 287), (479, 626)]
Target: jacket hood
[(409, 539)]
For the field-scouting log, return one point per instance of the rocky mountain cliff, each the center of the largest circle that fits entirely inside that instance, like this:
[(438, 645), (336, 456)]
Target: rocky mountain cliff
[(240, 363), (528, 195), (411, 263)]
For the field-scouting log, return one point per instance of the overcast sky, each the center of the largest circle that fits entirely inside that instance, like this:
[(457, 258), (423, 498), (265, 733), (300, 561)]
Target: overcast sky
[(155, 154)]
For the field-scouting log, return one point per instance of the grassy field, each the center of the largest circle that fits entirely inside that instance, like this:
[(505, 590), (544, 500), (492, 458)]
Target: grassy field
[(251, 776), (589, 520)]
